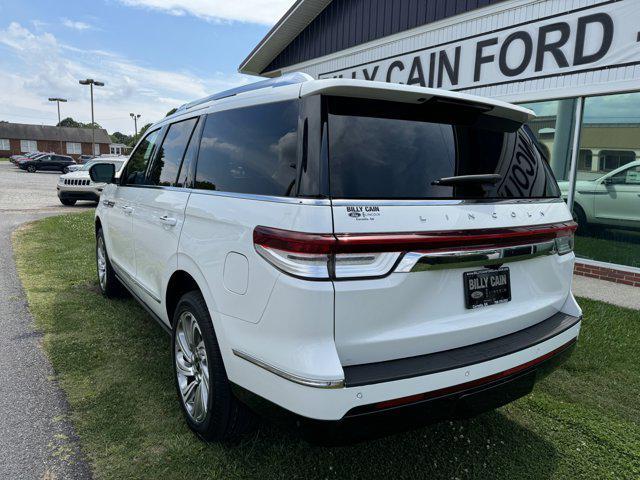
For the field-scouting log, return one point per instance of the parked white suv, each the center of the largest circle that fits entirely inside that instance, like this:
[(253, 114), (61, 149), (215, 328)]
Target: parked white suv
[(613, 200), (343, 250), (77, 185)]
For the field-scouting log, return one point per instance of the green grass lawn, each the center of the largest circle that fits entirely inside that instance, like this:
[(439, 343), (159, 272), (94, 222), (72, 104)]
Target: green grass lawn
[(113, 362), (613, 246)]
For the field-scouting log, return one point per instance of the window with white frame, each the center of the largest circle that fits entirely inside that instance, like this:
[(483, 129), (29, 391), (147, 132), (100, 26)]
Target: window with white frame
[(4, 144), (74, 148), (96, 149), (28, 146)]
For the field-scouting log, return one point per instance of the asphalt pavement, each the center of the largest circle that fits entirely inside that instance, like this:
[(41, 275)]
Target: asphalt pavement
[(37, 440)]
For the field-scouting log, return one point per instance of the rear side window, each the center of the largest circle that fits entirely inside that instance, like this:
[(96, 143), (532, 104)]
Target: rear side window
[(401, 151), (136, 168), (250, 150), (166, 165)]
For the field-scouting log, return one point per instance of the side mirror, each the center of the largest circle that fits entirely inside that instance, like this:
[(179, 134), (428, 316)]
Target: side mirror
[(102, 173), (608, 181)]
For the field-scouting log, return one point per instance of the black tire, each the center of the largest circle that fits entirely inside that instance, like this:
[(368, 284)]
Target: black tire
[(581, 219), (226, 418), (111, 286), (67, 202), (31, 169)]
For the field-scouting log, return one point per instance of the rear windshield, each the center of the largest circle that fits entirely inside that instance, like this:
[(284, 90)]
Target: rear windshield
[(388, 150)]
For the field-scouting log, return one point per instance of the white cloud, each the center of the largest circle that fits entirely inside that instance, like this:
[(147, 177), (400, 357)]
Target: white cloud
[(76, 25), (265, 12), (37, 66)]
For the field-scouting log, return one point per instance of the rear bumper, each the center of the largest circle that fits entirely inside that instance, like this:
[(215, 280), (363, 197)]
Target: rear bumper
[(437, 381), (457, 402)]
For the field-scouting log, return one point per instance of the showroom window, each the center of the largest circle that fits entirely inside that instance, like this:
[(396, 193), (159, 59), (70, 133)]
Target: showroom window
[(74, 148), (28, 146), (4, 144), (553, 126), (607, 197), (607, 192)]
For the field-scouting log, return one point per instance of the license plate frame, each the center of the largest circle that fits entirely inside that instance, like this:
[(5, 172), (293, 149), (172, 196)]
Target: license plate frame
[(483, 288)]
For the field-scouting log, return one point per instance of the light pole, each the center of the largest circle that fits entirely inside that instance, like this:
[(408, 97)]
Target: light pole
[(91, 82), (135, 121), (58, 100)]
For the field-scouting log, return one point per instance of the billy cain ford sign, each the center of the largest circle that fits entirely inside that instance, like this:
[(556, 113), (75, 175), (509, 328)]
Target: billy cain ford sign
[(599, 37)]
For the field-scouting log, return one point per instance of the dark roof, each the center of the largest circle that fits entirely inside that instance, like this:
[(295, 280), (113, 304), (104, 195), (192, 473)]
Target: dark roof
[(315, 28), (22, 131)]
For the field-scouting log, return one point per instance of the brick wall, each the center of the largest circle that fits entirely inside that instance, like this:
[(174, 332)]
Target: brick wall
[(53, 146), (610, 274)]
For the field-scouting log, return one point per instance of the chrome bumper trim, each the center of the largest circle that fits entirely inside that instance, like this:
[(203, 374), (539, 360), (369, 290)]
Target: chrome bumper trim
[(307, 382), (421, 261)]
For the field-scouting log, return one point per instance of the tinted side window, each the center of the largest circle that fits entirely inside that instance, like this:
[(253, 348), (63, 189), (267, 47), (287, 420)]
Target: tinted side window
[(137, 166), (164, 170), (250, 150), (185, 177)]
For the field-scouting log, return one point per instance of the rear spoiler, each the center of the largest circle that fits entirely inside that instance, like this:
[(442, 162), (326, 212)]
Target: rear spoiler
[(412, 94)]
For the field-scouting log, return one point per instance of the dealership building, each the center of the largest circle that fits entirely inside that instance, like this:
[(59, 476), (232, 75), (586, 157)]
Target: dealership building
[(576, 63)]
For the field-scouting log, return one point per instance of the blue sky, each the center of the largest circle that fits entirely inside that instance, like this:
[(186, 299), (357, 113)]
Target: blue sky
[(152, 54)]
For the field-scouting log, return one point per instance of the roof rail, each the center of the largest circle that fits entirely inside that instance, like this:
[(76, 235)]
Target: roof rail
[(286, 79)]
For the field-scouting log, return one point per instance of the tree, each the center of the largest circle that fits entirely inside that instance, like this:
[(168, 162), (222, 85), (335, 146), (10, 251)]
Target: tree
[(135, 138), (119, 137), (70, 122)]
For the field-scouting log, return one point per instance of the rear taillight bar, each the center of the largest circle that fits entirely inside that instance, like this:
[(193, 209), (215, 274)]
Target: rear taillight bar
[(403, 242), (346, 255)]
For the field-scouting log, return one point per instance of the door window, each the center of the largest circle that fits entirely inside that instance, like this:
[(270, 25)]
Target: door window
[(136, 169), (630, 176), (166, 165), (250, 150)]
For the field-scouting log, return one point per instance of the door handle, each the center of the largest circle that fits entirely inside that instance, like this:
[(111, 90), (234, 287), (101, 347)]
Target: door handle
[(127, 209), (172, 222)]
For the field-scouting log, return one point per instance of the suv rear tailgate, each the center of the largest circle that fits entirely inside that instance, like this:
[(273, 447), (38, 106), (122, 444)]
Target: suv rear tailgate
[(419, 312)]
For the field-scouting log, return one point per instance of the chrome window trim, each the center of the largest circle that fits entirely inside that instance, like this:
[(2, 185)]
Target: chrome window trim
[(347, 202), (428, 261), (441, 202), (265, 198), (307, 382), (245, 196)]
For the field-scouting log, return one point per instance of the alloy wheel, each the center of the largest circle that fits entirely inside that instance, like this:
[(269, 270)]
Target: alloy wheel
[(101, 259), (192, 367)]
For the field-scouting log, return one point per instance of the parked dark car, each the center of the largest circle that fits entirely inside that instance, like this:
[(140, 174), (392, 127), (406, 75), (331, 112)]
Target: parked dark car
[(82, 159), (47, 162), (25, 156)]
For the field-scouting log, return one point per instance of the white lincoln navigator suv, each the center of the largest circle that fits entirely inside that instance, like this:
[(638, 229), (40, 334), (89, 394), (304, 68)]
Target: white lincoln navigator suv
[(343, 251)]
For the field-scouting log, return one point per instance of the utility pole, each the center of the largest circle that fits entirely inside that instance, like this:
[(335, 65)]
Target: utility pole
[(91, 82), (135, 121), (58, 100)]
